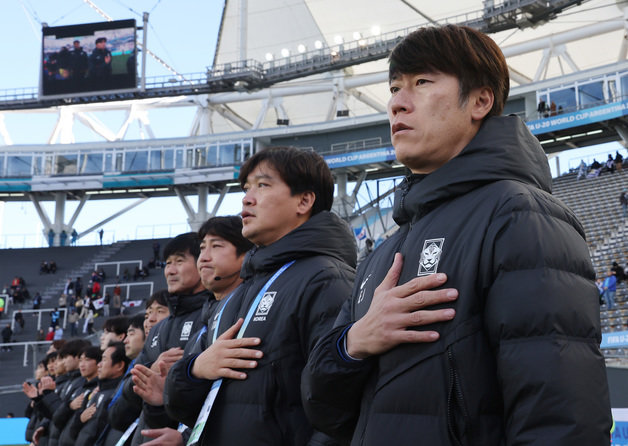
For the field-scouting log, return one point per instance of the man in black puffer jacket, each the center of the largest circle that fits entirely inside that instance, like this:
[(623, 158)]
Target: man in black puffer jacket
[(168, 338), (508, 353), (91, 418), (295, 281)]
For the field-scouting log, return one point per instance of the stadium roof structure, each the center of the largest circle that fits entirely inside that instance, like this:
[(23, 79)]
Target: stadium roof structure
[(540, 39), (299, 67), (261, 76)]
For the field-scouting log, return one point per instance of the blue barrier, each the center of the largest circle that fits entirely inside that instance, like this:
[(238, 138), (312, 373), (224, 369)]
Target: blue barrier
[(12, 431)]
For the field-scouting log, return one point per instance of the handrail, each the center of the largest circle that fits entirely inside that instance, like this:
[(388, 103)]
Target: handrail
[(25, 344)]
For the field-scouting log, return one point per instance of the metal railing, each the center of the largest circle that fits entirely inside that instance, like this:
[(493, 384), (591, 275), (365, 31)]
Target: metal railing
[(128, 286), (96, 265), (26, 345), (39, 313)]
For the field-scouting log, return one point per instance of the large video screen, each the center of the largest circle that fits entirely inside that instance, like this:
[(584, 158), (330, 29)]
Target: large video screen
[(88, 58)]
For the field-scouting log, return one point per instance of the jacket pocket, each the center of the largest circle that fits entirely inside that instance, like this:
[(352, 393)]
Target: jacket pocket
[(458, 422)]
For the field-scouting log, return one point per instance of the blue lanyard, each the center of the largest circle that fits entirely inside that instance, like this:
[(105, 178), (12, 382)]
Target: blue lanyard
[(254, 305), (199, 426), (121, 385)]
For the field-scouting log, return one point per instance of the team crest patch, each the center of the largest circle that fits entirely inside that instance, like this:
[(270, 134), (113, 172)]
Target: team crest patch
[(153, 343), (267, 301), (363, 289), (186, 330), (430, 256)]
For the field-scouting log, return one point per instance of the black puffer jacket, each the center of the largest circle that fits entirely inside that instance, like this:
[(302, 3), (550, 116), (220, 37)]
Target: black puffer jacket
[(302, 303), (87, 433), (68, 436), (175, 331), (520, 363)]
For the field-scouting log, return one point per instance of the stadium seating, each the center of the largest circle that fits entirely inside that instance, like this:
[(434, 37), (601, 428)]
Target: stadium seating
[(596, 203)]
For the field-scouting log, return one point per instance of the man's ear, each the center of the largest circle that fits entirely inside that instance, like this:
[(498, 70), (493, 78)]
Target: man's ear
[(482, 100), (119, 367), (306, 202)]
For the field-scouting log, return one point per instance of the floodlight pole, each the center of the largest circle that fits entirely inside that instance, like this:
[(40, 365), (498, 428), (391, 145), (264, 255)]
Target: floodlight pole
[(144, 47)]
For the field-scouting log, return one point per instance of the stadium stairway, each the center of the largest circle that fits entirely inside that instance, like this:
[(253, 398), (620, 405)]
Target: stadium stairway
[(51, 294), (596, 203)]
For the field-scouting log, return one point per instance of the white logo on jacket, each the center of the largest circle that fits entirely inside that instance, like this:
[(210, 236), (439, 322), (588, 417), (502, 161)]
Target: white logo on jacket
[(186, 330), (153, 343), (362, 289), (264, 306), (430, 256)]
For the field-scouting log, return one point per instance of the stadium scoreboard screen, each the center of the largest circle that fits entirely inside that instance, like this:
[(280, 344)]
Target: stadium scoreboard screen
[(90, 58)]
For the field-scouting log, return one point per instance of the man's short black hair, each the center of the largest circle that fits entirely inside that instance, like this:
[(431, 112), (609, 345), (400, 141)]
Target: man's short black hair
[(50, 357), (101, 39), (117, 325), (73, 347), (92, 352), (161, 297), (183, 244), (118, 355), (137, 321), (301, 170), (469, 55), (228, 228)]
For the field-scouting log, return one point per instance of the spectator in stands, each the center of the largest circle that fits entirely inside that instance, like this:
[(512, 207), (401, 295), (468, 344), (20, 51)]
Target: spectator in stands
[(623, 201), (366, 251), (619, 272), (96, 287), (114, 330), (72, 320), (52, 265), (2, 304), (63, 300), (19, 320), (44, 268), (74, 235), (106, 305), (102, 275), (610, 286), (599, 283), (93, 413), (582, 170), (58, 333), (51, 237), (542, 109), (36, 302), (552, 108), (619, 161), (116, 301), (63, 238), (6, 337), (54, 317), (156, 309), (88, 327), (125, 275), (609, 166)]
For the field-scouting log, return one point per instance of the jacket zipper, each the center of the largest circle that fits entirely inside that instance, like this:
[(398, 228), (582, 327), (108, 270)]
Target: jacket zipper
[(455, 392)]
